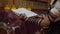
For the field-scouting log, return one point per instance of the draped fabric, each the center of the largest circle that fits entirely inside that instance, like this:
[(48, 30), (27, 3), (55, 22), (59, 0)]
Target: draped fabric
[(10, 17), (31, 20), (3, 16), (33, 25), (12, 20), (30, 26)]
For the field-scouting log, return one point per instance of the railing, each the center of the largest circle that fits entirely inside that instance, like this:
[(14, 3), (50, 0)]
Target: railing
[(32, 4)]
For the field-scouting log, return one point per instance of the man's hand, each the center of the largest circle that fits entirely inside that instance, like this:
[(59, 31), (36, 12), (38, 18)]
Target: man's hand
[(23, 16), (45, 22)]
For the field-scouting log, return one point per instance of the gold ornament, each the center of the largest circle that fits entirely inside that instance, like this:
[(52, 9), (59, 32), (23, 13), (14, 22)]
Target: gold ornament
[(6, 7), (13, 7), (29, 8), (19, 7)]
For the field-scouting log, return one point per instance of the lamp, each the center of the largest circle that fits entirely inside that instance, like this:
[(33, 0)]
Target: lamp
[(13, 7), (6, 7)]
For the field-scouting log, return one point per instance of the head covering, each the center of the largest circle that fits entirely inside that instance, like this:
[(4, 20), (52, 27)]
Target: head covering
[(53, 2), (57, 5), (55, 11)]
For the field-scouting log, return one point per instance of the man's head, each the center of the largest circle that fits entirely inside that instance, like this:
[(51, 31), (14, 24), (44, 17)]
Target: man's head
[(56, 5), (56, 10)]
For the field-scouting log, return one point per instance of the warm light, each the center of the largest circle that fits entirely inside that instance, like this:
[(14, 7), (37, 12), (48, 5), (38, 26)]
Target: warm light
[(29, 8), (6, 7), (13, 7), (19, 7)]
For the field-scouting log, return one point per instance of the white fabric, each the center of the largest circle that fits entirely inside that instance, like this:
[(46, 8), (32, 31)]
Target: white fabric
[(24, 11), (51, 2), (57, 5), (55, 11)]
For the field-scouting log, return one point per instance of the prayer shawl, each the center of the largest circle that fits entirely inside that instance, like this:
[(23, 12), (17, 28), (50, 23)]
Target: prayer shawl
[(13, 20), (32, 21)]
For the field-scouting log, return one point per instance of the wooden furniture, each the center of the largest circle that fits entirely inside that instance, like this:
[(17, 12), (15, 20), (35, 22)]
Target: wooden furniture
[(48, 1), (6, 2), (34, 4)]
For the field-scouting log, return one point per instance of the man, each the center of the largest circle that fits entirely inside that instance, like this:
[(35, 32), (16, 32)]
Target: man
[(55, 17)]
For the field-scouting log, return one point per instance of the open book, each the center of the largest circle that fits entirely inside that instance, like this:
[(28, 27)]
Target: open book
[(28, 13)]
